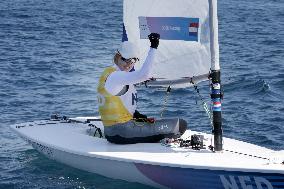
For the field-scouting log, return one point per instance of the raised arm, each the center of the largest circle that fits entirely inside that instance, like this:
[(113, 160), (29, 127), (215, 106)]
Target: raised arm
[(118, 79)]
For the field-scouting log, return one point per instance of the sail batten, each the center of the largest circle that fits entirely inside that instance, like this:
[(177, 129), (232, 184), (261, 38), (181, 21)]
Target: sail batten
[(186, 36)]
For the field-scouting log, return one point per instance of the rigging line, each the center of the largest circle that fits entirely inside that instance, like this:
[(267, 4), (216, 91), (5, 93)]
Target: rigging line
[(207, 110), (204, 104), (246, 154), (165, 101)]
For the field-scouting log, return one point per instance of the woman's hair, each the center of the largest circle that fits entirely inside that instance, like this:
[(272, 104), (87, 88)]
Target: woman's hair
[(116, 57)]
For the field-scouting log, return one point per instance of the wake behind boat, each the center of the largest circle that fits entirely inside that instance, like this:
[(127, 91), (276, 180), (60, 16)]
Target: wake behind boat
[(77, 142), (188, 54)]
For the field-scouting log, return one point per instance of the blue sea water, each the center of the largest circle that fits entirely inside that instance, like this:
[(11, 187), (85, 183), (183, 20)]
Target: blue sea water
[(52, 53)]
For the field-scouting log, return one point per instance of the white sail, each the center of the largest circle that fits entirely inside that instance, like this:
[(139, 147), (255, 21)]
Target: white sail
[(184, 26)]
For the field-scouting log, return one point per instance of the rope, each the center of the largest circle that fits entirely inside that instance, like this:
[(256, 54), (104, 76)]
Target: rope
[(204, 104), (240, 153), (186, 143), (207, 110), (165, 101), (97, 129)]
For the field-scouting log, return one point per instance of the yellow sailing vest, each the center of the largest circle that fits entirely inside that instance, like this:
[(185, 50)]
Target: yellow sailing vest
[(111, 108)]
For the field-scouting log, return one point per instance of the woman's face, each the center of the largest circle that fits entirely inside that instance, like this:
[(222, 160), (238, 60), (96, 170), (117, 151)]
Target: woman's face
[(124, 64)]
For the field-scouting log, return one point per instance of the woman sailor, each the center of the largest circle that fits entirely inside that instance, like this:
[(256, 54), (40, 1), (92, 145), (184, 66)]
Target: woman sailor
[(118, 97)]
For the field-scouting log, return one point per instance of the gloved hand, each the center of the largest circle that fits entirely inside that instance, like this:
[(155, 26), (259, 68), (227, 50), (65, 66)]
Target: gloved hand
[(154, 39)]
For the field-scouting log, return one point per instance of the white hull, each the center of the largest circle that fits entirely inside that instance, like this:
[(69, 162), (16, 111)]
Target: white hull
[(108, 168), (240, 165)]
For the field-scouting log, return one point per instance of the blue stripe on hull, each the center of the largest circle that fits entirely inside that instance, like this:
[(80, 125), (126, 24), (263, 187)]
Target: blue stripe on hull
[(188, 178)]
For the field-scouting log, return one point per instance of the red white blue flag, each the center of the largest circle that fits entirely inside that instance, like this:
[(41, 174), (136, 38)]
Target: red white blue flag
[(193, 28)]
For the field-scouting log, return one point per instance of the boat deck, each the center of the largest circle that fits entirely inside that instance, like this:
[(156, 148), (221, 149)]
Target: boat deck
[(75, 138)]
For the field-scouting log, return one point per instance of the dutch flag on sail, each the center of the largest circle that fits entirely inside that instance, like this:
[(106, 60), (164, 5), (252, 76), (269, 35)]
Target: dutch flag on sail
[(193, 28)]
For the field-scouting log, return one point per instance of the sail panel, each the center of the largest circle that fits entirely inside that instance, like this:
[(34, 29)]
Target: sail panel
[(184, 49)]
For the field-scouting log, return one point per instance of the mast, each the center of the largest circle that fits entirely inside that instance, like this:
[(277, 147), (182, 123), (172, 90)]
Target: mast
[(215, 77)]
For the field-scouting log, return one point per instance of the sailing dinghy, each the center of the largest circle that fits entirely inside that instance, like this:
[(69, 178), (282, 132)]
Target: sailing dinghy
[(188, 54)]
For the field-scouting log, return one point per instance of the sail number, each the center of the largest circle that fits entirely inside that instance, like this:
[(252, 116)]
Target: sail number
[(246, 182)]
